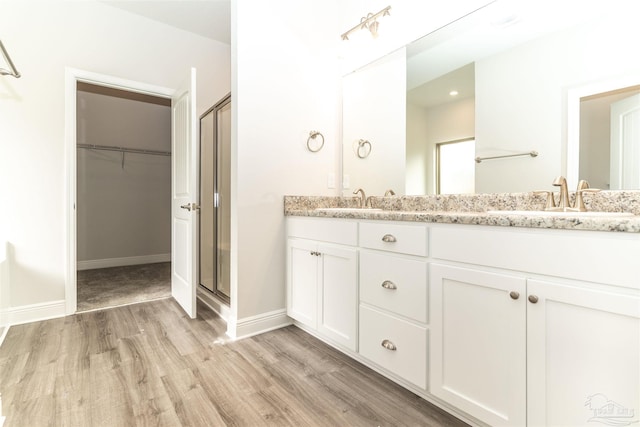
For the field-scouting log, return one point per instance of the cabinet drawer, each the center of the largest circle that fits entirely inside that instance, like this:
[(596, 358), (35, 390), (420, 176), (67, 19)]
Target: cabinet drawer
[(409, 359), (401, 238), (339, 231), (394, 283)]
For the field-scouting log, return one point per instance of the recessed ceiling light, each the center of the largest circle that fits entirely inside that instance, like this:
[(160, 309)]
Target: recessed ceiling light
[(505, 20), (453, 93)]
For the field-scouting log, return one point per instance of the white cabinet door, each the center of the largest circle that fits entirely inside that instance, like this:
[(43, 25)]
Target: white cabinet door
[(478, 343), (302, 281), (322, 289), (338, 294), (583, 353)]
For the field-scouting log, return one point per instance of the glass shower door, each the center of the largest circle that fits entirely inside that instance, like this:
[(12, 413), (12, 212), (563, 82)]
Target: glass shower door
[(223, 211), (215, 190)]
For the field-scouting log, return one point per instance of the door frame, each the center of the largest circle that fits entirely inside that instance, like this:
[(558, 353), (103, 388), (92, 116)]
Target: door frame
[(571, 153), (72, 77), (224, 299)]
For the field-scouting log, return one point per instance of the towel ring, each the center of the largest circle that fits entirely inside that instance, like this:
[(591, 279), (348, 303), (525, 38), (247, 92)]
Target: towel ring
[(364, 148), (312, 135)]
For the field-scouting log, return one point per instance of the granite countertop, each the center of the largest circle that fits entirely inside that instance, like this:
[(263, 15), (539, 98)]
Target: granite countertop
[(473, 210)]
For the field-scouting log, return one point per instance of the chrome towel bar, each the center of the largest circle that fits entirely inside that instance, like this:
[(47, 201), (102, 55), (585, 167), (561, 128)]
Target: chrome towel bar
[(530, 153)]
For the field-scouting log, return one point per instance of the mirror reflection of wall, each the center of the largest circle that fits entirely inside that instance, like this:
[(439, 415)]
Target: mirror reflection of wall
[(595, 135), (526, 72), (373, 109), (439, 110)]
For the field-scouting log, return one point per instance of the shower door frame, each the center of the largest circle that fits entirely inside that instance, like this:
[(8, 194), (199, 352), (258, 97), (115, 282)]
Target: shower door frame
[(217, 107)]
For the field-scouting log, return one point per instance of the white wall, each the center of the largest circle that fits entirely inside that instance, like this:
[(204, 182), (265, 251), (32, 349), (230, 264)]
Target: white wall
[(122, 212), (426, 128), (287, 61), (111, 118), (283, 89), (4, 288), (374, 109), (420, 163), (521, 98), (43, 38)]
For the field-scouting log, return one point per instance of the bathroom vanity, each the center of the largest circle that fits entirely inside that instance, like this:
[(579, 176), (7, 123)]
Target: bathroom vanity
[(500, 319)]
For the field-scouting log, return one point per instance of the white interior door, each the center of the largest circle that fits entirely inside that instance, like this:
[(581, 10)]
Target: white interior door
[(625, 143), (184, 194)]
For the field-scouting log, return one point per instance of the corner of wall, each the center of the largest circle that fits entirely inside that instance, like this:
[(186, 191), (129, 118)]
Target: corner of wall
[(255, 325), (5, 289)]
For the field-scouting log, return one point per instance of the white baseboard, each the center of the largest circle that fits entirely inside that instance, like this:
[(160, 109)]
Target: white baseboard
[(254, 325), (3, 334), (119, 262), (36, 312)]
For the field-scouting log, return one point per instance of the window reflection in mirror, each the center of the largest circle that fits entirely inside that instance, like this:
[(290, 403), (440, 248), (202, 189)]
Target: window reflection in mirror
[(455, 167), (442, 109)]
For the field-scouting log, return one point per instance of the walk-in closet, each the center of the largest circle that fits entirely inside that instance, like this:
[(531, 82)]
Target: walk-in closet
[(123, 197)]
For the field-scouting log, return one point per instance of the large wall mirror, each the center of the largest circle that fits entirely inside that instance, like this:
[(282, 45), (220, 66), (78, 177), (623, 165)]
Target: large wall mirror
[(516, 77)]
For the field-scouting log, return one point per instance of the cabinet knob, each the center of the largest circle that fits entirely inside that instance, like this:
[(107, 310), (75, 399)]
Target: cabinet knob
[(388, 345), (514, 295), (389, 238), (388, 284), (533, 299)]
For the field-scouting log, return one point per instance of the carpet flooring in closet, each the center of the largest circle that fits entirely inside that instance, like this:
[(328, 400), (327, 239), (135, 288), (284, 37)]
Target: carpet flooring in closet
[(114, 286)]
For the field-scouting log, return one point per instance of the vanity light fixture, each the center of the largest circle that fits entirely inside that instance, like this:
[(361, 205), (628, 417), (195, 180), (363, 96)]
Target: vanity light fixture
[(453, 93), (12, 72), (369, 22)]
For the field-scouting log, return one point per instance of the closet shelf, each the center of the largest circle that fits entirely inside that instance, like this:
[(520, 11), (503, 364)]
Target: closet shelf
[(124, 149)]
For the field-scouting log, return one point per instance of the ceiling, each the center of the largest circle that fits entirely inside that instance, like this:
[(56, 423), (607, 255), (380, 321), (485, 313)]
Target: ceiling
[(207, 18), (437, 91), (436, 63)]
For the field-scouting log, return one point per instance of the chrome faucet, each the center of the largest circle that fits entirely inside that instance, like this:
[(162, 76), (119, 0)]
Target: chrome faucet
[(363, 197), (564, 202), (389, 193)]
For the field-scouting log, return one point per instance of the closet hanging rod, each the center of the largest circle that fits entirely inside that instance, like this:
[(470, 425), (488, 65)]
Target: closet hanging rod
[(124, 150), (529, 153), (13, 72)]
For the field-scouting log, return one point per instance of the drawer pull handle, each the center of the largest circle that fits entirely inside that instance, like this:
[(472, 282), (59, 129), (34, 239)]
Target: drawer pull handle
[(389, 345), (533, 299), (388, 284), (514, 295), (389, 238)]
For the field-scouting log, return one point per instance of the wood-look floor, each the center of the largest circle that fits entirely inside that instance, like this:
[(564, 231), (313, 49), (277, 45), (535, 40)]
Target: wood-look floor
[(149, 365)]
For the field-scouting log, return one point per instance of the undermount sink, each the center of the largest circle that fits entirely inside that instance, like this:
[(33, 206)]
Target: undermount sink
[(564, 214), (348, 209)]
